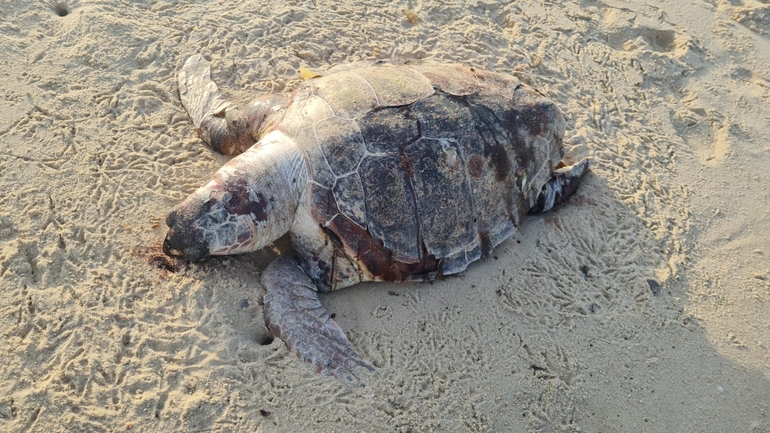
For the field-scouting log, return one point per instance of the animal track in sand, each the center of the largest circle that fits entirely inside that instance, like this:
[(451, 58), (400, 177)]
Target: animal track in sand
[(710, 133), (756, 18)]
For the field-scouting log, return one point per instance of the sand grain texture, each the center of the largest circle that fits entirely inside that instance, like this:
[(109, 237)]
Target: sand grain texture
[(642, 305)]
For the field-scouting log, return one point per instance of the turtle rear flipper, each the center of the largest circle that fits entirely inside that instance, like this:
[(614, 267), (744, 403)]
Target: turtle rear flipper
[(294, 314), (562, 184), (219, 122)]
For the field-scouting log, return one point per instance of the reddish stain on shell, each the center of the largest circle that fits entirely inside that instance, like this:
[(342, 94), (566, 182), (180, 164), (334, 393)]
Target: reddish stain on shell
[(375, 256), (475, 166)]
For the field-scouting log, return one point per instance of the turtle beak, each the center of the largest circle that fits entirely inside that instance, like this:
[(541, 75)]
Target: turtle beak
[(168, 249), (183, 240)]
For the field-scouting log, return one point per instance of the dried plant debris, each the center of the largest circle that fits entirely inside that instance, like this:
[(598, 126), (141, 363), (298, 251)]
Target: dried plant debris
[(307, 74)]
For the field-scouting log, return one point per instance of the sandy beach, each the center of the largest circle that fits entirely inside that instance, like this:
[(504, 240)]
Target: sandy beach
[(642, 305)]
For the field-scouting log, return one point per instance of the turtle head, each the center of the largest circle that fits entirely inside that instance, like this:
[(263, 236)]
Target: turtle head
[(249, 203), (217, 219)]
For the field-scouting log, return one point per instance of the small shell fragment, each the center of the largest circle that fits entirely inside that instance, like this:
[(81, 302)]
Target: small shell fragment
[(411, 16)]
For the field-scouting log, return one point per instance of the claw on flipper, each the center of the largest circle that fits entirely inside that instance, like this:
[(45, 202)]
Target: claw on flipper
[(219, 122), (294, 314)]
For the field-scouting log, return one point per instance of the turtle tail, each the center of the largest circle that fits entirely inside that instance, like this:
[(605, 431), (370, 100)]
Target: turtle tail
[(562, 184)]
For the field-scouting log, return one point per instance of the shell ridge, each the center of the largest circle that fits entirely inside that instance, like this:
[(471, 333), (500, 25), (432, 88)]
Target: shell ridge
[(334, 113), (437, 86), (466, 178), (376, 98), (420, 241), (317, 144), (397, 87), (348, 191), (366, 151)]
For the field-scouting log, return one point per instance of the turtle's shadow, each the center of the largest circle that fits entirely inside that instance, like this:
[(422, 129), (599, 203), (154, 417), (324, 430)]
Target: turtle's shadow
[(582, 299), (573, 317)]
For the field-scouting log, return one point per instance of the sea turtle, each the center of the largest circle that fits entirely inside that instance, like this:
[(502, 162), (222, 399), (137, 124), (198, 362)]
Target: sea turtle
[(379, 172)]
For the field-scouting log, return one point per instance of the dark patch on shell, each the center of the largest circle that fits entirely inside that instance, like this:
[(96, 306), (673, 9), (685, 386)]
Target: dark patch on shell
[(498, 159), (390, 206), (534, 116), (489, 127), (388, 129), (443, 116), (405, 164)]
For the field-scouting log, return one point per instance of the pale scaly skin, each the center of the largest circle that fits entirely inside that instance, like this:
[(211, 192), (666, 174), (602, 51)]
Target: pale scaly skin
[(249, 203), (263, 193)]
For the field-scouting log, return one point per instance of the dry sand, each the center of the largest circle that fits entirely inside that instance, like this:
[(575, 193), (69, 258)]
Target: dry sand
[(643, 305)]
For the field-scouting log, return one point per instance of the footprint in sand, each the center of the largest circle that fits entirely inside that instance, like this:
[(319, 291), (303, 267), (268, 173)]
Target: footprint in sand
[(706, 131)]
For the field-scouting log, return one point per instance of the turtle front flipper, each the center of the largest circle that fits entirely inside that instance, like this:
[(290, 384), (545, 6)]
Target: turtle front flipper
[(562, 184), (294, 314), (219, 122)]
